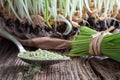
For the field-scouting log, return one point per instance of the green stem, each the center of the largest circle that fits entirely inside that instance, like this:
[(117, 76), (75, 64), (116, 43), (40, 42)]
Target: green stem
[(46, 11)]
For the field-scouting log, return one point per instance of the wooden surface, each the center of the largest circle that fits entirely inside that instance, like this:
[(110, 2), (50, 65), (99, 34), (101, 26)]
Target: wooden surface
[(83, 68)]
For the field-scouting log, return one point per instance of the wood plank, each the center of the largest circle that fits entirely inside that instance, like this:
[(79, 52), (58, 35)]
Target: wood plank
[(82, 68)]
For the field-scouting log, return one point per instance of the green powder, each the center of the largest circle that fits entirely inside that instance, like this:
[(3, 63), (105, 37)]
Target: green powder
[(41, 55)]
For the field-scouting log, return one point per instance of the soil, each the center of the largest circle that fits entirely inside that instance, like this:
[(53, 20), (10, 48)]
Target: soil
[(28, 31)]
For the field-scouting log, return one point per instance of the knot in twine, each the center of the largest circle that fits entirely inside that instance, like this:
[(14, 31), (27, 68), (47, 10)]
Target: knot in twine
[(95, 44)]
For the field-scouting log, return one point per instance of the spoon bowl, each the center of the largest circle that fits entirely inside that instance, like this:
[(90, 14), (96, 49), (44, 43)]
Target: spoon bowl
[(43, 62)]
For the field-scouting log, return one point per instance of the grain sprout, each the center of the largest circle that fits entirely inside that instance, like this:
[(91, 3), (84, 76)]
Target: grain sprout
[(50, 9)]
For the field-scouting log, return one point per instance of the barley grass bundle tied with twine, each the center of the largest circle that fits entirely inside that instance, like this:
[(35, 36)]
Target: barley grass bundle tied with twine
[(91, 42)]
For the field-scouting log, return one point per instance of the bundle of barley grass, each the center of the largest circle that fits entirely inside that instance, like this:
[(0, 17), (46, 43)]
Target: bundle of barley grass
[(109, 46)]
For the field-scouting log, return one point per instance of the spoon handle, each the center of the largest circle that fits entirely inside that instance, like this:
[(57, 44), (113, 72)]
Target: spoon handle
[(5, 34)]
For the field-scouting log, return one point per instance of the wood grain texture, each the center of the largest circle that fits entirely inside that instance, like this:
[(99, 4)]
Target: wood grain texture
[(82, 68)]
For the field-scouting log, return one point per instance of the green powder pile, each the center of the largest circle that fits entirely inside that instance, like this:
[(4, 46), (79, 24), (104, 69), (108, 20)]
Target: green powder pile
[(41, 55)]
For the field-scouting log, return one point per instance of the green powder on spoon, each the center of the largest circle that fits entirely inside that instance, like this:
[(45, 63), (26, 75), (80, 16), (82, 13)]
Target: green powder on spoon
[(41, 55)]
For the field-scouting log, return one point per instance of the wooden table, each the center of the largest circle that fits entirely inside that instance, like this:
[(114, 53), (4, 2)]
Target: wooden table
[(82, 68)]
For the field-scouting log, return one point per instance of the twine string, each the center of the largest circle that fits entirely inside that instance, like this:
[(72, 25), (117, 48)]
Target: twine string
[(95, 44)]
